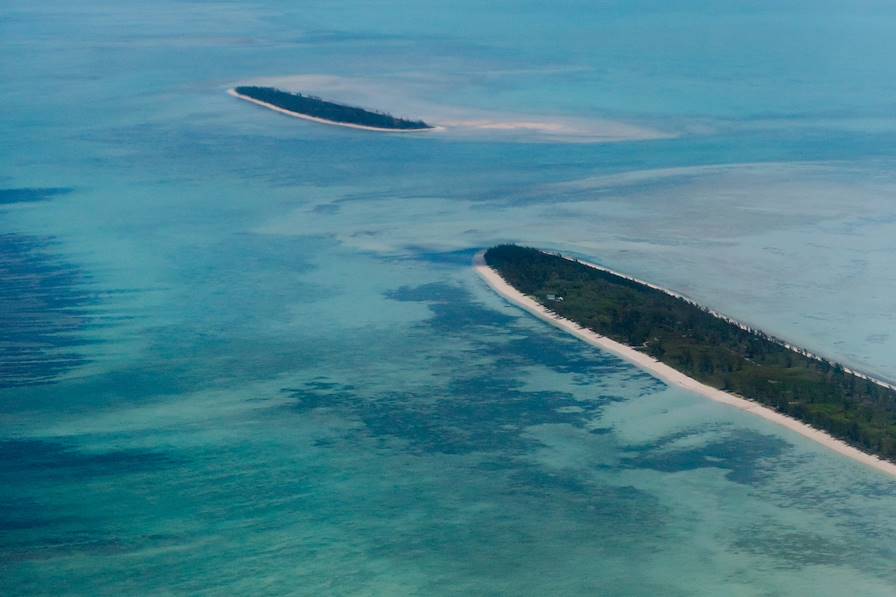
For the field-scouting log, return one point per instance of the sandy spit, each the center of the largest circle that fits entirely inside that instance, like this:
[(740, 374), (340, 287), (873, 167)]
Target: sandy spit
[(669, 375), (361, 127)]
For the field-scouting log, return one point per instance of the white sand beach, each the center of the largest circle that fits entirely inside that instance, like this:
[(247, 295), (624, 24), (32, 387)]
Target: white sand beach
[(234, 93), (668, 374)]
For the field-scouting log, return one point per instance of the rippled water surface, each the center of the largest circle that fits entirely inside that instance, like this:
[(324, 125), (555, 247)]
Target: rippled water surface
[(246, 354)]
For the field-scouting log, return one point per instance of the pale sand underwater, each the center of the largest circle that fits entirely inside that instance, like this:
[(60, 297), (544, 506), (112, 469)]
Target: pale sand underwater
[(408, 96)]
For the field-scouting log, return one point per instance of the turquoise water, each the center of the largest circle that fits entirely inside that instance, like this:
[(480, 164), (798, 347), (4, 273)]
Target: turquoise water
[(246, 354)]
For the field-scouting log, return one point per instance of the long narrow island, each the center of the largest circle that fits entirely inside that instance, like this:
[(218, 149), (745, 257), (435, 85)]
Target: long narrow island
[(693, 347), (316, 109)]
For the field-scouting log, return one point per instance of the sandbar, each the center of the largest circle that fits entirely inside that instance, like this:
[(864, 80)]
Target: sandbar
[(234, 93), (669, 375)]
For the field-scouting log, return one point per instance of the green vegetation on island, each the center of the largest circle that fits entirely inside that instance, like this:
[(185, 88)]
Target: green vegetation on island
[(315, 107), (708, 348)]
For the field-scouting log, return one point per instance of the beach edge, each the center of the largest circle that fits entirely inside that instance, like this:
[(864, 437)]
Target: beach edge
[(671, 376), (233, 93)]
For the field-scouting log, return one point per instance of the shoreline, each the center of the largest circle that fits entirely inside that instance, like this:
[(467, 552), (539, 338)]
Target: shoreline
[(669, 375), (883, 382), (233, 93)]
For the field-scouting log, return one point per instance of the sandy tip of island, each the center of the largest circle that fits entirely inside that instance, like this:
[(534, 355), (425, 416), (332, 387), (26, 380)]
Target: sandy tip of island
[(668, 374), (234, 93)]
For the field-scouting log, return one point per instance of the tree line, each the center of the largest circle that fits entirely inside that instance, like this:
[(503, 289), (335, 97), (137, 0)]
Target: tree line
[(310, 105), (708, 348)]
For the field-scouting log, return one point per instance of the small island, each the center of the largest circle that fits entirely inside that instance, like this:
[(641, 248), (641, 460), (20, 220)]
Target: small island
[(687, 344), (315, 109)]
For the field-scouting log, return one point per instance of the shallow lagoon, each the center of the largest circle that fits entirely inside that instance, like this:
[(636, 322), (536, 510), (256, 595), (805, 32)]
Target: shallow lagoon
[(275, 371)]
